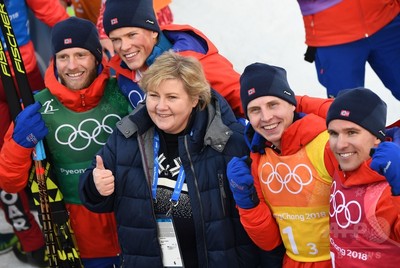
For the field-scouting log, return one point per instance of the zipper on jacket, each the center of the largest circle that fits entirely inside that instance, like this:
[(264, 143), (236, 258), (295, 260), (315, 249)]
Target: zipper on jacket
[(198, 196), (148, 178), (222, 190)]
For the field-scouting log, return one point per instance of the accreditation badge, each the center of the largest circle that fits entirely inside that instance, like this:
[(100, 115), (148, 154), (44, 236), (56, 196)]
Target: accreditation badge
[(171, 254)]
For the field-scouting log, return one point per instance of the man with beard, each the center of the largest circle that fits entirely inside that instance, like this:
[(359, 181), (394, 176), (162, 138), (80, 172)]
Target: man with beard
[(75, 113)]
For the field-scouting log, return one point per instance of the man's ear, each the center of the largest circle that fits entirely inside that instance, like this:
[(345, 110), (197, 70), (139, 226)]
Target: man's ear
[(377, 141)]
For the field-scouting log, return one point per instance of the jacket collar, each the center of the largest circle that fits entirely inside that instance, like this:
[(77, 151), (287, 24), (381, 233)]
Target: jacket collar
[(296, 136), (361, 176), (80, 100), (217, 133), (162, 45)]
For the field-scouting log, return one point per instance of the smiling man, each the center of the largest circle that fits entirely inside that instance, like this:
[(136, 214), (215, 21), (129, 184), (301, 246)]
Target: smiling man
[(138, 40), (364, 201), (75, 114), (285, 191)]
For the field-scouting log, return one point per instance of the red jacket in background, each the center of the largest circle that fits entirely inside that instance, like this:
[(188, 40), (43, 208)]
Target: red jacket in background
[(349, 20)]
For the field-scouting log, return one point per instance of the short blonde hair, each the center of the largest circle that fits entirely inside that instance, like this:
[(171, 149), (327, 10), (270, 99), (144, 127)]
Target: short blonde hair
[(171, 65)]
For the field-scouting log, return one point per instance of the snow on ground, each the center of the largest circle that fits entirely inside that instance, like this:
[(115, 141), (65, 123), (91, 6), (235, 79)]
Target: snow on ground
[(250, 31)]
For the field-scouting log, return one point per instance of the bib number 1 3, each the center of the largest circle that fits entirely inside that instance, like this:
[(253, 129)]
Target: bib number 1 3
[(289, 232)]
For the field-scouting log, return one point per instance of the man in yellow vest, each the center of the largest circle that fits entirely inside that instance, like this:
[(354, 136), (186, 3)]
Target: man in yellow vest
[(284, 194)]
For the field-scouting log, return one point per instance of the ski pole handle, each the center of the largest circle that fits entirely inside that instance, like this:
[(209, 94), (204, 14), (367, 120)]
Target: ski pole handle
[(39, 154)]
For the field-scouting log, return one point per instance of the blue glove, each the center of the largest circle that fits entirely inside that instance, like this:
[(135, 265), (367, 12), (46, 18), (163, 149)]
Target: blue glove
[(394, 134), (385, 161), (241, 183), (29, 126)]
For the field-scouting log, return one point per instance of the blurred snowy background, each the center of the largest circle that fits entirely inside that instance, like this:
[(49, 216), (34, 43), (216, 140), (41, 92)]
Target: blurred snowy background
[(269, 31)]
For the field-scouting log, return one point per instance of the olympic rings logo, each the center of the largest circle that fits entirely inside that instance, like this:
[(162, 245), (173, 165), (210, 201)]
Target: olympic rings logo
[(83, 133), (135, 97), (339, 206), (283, 181)]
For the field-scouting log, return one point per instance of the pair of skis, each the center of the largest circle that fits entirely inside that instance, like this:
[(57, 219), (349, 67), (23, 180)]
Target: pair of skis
[(60, 241)]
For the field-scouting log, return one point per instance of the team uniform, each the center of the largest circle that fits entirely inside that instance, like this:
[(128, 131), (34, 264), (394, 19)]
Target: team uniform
[(79, 124), (362, 213), (16, 205), (294, 183)]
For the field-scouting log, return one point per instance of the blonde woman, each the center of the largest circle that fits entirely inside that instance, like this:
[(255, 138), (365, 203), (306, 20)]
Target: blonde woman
[(166, 166)]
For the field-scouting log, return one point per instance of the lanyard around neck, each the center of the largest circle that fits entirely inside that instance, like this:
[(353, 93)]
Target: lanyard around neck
[(179, 182)]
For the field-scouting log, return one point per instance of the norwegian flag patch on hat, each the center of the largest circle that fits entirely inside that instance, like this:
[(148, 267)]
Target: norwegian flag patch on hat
[(114, 21), (251, 91), (345, 113)]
